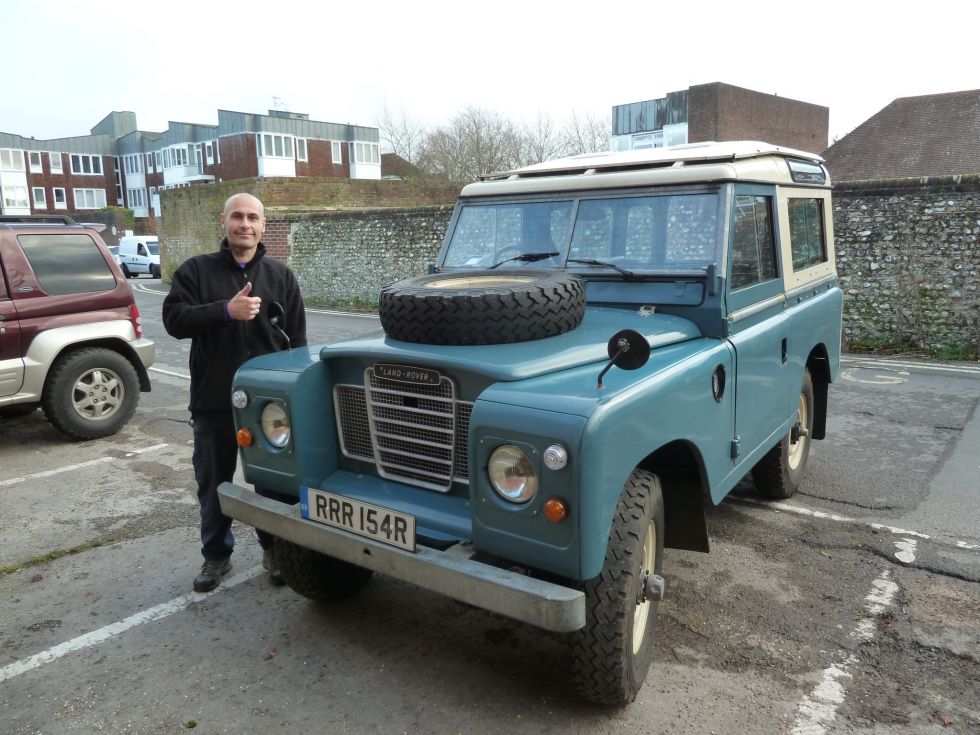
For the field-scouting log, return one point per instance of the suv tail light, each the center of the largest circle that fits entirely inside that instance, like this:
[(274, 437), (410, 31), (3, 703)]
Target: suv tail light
[(136, 319)]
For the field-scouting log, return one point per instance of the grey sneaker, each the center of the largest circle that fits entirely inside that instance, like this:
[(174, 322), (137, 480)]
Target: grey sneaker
[(211, 573), (270, 565)]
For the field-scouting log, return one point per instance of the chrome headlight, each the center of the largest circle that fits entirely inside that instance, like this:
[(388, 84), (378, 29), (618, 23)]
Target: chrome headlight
[(275, 424), (512, 474), (239, 399)]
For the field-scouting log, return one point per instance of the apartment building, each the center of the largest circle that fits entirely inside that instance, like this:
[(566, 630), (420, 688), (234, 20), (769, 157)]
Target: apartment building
[(120, 165), (719, 111)]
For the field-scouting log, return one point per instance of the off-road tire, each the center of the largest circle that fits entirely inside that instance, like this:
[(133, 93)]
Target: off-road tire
[(318, 576), (17, 410), (780, 472), (483, 307), (90, 393), (610, 656)]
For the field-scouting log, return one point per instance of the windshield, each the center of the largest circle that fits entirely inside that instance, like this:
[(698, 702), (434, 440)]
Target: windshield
[(667, 232), (153, 247)]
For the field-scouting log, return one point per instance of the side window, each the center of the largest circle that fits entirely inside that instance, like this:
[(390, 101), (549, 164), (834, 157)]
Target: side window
[(67, 264), (141, 250), (806, 233), (753, 246)]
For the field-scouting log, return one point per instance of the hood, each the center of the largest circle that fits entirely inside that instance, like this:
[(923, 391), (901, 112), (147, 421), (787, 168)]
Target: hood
[(521, 360)]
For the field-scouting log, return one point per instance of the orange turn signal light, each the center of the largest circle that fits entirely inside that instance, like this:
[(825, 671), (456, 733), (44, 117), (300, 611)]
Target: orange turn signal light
[(244, 437), (555, 510)]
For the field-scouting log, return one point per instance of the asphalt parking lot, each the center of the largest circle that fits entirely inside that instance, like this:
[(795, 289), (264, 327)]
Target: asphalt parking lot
[(852, 608)]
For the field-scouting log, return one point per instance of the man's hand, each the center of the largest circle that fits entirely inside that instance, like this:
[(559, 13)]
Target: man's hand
[(244, 307)]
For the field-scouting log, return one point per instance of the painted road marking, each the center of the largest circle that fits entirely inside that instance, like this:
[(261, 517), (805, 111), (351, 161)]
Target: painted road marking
[(893, 377), (170, 372), (818, 710), (73, 467), (800, 510), (911, 365), (112, 630)]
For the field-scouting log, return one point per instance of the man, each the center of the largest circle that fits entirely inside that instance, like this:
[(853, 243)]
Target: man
[(221, 302)]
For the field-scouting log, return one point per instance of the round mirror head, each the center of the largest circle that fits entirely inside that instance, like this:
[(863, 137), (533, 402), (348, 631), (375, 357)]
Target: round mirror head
[(629, 349)]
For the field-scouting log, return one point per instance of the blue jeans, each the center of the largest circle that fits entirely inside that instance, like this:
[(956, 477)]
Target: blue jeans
[(215, 459)]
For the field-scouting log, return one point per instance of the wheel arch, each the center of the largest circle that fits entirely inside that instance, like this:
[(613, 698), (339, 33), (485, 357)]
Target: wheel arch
[(684, 486), (114, 344)]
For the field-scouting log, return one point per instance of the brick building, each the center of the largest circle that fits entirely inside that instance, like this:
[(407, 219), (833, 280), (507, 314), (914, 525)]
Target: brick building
[(119, 165), (719, 112)]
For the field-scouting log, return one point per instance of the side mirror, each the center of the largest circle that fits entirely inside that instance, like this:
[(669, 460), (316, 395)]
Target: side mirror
[(277, 318), (628, 350)]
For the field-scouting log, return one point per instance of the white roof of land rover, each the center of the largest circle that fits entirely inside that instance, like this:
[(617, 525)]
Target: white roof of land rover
[(744, 160)]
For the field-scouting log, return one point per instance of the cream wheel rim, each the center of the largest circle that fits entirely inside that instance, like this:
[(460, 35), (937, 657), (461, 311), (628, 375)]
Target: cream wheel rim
[(796, 448), (641, 614)]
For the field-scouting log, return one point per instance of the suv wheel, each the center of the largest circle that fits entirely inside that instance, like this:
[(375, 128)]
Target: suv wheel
[(318, 576), (90, 393), (611, 654), (780, 472)]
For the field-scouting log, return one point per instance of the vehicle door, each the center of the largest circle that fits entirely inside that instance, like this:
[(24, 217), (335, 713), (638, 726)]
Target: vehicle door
[(11, 359), (758, 329)]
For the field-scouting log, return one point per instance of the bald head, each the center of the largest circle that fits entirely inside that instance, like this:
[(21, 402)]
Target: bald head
[(243, 198)]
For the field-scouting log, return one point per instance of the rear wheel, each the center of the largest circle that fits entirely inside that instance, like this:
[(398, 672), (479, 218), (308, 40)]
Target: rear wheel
[(318, 576), (90, 393), (612, 652), (780, 473), (155, 271)]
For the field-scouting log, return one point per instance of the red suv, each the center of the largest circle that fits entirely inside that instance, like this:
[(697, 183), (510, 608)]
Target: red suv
[(70, 334)]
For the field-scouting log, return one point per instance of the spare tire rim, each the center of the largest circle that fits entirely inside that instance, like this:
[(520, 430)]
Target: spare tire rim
[(479, 281), (97, 394)]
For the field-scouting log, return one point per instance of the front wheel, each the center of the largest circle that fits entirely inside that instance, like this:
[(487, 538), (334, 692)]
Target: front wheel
[(611, 654), (90, 393), (318, 576), (780, 473)]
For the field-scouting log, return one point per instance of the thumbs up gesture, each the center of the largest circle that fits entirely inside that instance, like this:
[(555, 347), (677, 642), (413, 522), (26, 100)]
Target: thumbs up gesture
[(244, 307)]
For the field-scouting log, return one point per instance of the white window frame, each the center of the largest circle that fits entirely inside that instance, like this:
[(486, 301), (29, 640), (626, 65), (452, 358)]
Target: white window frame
[(37, 168), (13, 157), (63, 204), (306, 152), (92, 195), (52, 157), (267, 145), (209, 153), (42, 202), (336, 152), (9, 192), (91, 158), (366, 152)]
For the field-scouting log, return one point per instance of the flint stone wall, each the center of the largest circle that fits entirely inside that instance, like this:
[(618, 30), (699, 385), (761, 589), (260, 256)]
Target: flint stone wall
[(908, 261)]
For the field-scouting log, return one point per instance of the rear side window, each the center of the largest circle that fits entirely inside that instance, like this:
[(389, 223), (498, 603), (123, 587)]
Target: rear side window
[(67, 263), (753, 247), (806, 233)]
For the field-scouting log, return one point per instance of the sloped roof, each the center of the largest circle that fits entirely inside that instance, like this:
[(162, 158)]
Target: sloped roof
[(931, 135)]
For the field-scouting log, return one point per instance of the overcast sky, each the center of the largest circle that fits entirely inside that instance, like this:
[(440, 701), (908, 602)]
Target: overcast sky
[(68, 64)]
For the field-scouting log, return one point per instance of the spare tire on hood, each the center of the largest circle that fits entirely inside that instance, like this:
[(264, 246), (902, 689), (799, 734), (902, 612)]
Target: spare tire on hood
[(482, 307)]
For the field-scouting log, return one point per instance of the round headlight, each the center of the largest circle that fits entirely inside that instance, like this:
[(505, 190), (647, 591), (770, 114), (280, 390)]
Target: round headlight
[(239, 399), (512, 474), (275, 424)]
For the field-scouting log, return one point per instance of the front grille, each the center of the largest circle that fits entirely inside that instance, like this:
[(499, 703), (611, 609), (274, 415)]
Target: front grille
[(417, 434)]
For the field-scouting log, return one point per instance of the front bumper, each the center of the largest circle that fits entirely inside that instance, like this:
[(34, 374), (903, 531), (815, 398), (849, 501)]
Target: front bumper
[(452, 573)]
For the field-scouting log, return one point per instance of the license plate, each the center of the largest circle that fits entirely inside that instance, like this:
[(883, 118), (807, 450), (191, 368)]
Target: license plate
[(371, 521)]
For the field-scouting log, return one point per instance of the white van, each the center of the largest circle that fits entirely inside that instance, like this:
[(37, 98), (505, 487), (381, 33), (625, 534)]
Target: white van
[(139, 254)]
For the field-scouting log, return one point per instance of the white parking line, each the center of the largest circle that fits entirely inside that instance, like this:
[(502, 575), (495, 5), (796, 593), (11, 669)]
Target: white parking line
[(112, 630), (819, 709), (170, 372), (799, 510), (73, 467)]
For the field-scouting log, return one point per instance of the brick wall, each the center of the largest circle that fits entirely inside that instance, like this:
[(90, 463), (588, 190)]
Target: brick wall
[(320, 164), (67, 181), (238, 158), (723, 112)]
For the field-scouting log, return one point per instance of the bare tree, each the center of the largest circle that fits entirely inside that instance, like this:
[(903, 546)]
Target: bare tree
[(404, 135), (475, 142), (586, 133), (538, 141)]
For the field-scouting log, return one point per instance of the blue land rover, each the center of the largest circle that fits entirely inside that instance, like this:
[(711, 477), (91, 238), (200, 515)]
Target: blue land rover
[(605, 343)]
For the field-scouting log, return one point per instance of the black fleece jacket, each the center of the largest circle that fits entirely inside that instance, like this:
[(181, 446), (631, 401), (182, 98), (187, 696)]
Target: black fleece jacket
[(196, 308)]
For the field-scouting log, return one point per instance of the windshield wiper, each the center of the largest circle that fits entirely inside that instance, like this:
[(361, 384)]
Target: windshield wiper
[(527, 258), (629, 275)]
